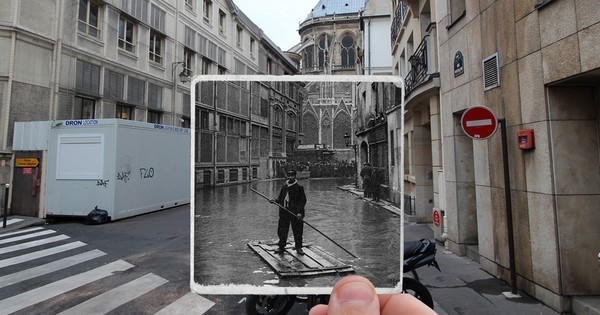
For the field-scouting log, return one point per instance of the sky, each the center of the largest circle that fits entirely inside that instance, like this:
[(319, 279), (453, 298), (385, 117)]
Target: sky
[(279, 19)]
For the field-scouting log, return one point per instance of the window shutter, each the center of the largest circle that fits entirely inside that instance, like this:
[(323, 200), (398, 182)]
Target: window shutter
[(221, 58), (135, 91), (154, 96), (190, 37), (113, 85), (157, 19), (88, 77)]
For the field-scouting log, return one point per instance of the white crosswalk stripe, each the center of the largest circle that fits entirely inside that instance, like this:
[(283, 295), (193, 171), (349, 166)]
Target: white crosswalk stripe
[(24, 237), (51, 290), (17, 232), (39, 266), (31, 244), (39, 254), (48, 268), (190, 303), (116, 297)]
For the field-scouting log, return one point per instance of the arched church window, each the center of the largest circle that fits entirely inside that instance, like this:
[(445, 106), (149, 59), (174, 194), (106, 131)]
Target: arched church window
[(348, 51), (309, 56), (324, 49)]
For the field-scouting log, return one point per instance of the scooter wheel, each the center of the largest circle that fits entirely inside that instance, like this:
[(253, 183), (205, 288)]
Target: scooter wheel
[(418, 290), (269, 304)]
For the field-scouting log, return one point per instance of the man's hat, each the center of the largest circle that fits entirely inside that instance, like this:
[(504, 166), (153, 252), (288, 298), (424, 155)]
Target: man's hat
[(291, 172)]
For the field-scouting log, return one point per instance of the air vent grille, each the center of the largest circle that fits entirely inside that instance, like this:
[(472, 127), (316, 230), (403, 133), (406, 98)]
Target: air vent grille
[(491, 72)]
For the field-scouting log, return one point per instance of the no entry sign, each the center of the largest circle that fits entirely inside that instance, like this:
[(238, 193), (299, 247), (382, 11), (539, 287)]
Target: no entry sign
[(479, 122)]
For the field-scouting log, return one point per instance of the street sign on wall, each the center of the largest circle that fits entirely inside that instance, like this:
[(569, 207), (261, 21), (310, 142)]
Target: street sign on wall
[(479, 122)]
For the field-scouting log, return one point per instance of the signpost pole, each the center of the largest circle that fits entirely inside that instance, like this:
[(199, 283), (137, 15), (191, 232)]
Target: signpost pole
[(509, 221), (480, 123), (5, 214)]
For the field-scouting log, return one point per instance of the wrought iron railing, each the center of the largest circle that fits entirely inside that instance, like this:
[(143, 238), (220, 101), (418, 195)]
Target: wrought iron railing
[(399, 15), (419, 66)]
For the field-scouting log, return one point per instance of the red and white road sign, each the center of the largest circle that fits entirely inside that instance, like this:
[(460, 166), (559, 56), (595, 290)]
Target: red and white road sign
[(436, 217), (479, 122)]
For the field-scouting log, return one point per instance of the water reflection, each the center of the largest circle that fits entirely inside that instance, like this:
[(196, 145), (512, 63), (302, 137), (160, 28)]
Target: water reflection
[(228, 218)]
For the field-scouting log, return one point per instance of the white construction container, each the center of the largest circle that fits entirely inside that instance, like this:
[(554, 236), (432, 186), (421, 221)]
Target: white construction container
[(121, 166)]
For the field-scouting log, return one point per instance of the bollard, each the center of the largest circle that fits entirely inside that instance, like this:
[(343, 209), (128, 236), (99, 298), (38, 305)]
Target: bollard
[(4, 216)]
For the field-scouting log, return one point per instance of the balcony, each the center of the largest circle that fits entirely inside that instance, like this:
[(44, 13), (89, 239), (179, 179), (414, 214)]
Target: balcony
[(399, 16), (419, 67)]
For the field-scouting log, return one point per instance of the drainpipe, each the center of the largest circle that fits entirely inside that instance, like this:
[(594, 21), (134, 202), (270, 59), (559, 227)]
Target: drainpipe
[(369, 43), (54, 95)]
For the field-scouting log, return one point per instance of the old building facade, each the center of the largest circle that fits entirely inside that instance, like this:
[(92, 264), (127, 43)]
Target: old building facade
[(414, 50), (123, 59), (534, 64)]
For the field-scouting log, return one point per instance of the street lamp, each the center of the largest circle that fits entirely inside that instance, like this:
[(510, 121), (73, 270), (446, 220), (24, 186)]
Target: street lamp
[(184, 76), (353, 145)]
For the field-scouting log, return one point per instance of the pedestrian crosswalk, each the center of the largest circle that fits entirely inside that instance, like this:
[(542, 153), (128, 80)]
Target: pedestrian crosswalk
[(38, 266)]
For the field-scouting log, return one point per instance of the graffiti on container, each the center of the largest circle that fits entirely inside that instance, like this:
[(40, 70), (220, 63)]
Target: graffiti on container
[(102, 182), (146, 172), (124, 176)]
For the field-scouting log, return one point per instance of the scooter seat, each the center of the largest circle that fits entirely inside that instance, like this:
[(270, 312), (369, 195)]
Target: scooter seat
[(411, 248)]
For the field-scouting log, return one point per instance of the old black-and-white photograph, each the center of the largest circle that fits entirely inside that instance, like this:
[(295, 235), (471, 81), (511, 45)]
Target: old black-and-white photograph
[(288, 192)]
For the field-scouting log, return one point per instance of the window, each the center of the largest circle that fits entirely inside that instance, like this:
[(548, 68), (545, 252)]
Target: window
[(348, 55), (124, 112), (207, 10), (154, 117), (188, 58), (324, 44), (269, 66), (113, 85), (252, 47), (89, 18), (155, 94), (185, 122), (86, 108), (206, 65), (136, 91), (239, 37), (136, 8), (189, 4), (457, 10), (126, 34), (88, 77), (157, 19), (222, 22), (309, 54), (190, 37), (204, 120), (156, 44)]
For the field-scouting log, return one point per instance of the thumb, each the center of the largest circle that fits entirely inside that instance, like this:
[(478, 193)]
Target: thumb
[(353, 295)]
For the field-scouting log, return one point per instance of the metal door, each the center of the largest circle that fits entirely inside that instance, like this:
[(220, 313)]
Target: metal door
[(27, 174)]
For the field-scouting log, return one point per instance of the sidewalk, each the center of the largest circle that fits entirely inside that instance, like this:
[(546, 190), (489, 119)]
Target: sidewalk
[(15, 222), (461, 287)]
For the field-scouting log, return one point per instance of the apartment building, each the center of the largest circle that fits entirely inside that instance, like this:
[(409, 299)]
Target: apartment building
[(130, 59), (534, 64), (415, 59)]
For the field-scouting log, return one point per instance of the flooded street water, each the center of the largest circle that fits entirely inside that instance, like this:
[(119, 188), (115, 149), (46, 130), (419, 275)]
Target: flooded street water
[(228, 218)]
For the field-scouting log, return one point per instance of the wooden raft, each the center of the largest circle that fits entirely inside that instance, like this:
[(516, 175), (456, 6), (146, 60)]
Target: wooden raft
[(314, 262)]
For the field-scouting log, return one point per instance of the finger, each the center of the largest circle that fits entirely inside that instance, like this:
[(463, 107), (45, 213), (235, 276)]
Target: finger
[(403, 304), (320, 309), (353, 295)]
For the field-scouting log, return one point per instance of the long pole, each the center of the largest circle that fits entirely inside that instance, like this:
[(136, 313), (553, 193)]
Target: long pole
[(314, 228), (509, 221), (4, 216)]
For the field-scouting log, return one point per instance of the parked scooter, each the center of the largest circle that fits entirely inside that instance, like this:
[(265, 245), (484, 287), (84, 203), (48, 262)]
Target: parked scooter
[(416, 254)]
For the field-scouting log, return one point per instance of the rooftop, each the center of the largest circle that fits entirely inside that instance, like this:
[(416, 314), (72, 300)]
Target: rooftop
[(331, 7)]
